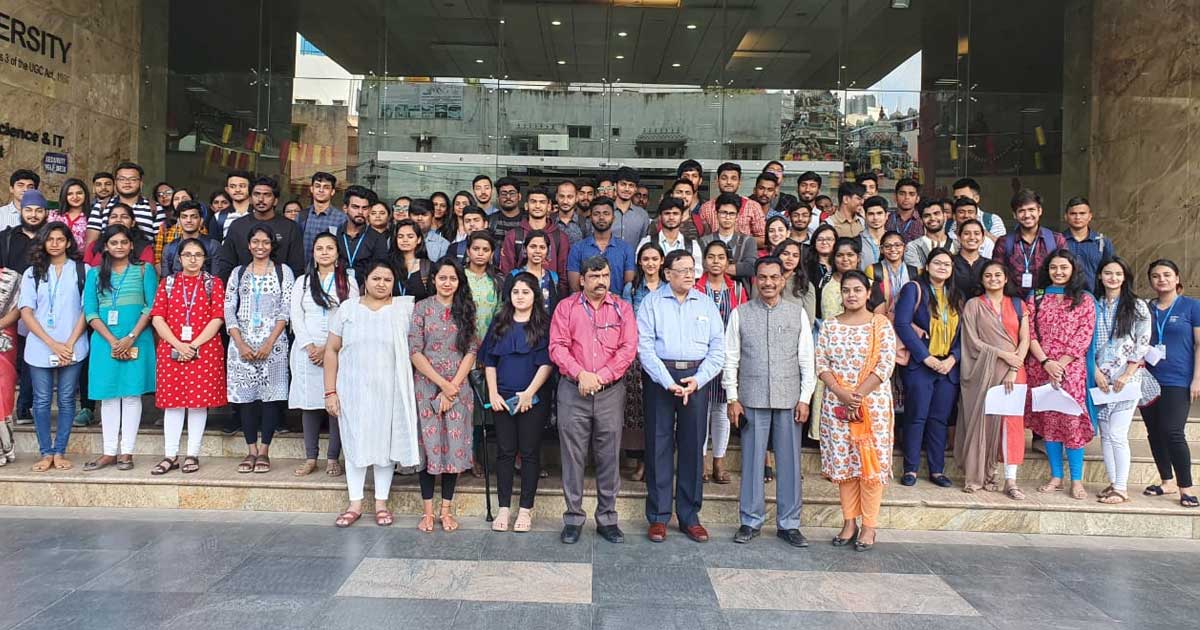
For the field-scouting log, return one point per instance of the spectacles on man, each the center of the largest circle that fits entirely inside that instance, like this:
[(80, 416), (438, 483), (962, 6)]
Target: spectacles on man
[(686, 271), (508, 193)]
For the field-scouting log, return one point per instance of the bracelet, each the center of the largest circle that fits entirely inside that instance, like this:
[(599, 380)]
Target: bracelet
[(1045, 361), (331, 393)]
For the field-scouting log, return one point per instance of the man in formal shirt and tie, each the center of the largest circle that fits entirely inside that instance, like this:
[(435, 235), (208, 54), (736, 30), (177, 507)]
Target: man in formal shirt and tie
[(681, 345)]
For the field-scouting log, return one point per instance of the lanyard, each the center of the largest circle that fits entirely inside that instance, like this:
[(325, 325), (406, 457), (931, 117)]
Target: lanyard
[(1161, 324), (327, 285), (353, 256), (895, 278), (1027, 255), (116, 291), (188, 304), (52, 286), (870, 242)]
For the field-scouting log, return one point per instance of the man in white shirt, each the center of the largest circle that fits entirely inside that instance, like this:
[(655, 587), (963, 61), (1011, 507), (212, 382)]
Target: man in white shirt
[(992, 223), (670, 237), (20, 181)]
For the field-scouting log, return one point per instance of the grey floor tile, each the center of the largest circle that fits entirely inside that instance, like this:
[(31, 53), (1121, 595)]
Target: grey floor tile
[(22, 603), (209, 538), (262, 574), (534, 547), (372, 612), (975, 560), (1004, 623), (777, 619), (1026, 598), (652, 584), (882, 558), (488, 581), (83, 610), (676, 550), (103, 534), (55, 569), (251, 612), (616, 617), (475, 615), (463, 544), (1138, 602), (836, 592), (766, 552), (882, 621), (317, 541), (158, 570), (1074, 564)]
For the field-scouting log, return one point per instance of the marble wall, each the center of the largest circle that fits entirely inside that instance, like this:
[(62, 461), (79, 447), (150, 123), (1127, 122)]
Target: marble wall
[(70, 78), (1145, 113)]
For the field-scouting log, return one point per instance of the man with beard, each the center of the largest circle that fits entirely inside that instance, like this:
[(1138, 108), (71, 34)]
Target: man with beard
[(669, 237), (358, 245), (750, 219), (482, 187), (510, 216), (15, 241), (147, 215), (934, 221), (766, 187), (848, 221), (289, 242), (642, 197), (321, 216), (565, 218), (537, 217), (630, 221), (585, 192), (775, 167), (684, 189), (905, 219), (808, 187), (620, 255), (103, 189)]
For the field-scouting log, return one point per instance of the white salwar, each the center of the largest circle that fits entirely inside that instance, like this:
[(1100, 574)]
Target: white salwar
[(375, 385)]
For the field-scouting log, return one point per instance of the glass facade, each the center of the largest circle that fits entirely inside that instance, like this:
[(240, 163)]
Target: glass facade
[(420, 96)]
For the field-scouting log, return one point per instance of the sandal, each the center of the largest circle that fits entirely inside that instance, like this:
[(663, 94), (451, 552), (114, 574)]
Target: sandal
[(991, 486), (1107, 491), (190, 465), (104, 461), (970, 489), (125, 464), (262, 464), (1156, 491), (524, 521), (425, 524), (1050, 486), (1189, 501), (1015, 494), (333, 468), (1114, 497), (165, 466), (1078, 493), (500, 523), (306, 468), (43, 464), (449, 523), (384, 518), (347, 518), (247, 464), (62, 463)]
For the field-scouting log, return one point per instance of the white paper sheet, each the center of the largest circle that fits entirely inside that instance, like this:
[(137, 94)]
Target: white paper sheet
[(1046, 398), (1001, 403), (1099, 397)]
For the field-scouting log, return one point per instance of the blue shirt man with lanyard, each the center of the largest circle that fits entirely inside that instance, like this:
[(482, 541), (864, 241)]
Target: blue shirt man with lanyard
[(358, 245)]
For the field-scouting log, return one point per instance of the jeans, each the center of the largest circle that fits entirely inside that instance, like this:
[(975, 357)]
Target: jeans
[(42, 380)]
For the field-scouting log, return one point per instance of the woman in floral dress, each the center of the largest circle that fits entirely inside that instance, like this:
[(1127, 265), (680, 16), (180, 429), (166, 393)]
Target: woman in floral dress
[(856, 352), (444, 343)]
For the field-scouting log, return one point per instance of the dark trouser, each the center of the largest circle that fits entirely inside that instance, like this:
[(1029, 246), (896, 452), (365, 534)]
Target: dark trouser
[(521, 432), (25, 383), (672, 424), (84, 401), (590, 421), (260, 416), (1165, 421), (929, 400), (312, 419), (449, 481)]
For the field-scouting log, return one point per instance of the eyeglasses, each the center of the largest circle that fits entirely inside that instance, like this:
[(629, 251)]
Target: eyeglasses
[(688, 271), (894, 246), (509, 193), (826, 240), (166, 192), (192, 255)]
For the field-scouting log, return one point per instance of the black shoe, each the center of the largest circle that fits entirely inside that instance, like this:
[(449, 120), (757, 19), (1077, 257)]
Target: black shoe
[(792, 537), (862, 546), (611, 533), (570, 534), (745, 534), (909, 479), (941, 481), (228, 430), (842, 542)]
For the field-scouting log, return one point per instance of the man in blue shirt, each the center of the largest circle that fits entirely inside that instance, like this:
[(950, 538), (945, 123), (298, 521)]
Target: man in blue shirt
[(1089, 246), (681, 344), (322, 215), (601, 242)]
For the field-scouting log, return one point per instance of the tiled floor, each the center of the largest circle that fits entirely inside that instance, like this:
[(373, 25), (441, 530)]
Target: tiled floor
[(93, 568)]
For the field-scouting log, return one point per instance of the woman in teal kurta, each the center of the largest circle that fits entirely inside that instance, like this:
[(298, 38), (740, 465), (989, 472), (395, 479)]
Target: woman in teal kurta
[(117, 299)]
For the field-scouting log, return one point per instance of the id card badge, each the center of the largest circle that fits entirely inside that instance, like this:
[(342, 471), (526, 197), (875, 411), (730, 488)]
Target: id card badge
[(113, 317), (1026, 280), (186, 334), (1156, 354)]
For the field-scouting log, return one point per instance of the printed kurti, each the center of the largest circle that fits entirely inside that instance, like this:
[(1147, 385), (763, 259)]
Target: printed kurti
[(1062, 330), (445, 437), (1114, 354), (252, 307)]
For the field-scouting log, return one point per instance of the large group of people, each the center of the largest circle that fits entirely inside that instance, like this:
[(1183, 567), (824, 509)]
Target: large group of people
[(853, 325)]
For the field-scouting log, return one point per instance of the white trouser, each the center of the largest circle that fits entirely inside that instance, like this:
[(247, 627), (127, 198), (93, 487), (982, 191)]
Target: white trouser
[(120, 417), (356, 477), (173, 429), (718, 429), (1114, 440)]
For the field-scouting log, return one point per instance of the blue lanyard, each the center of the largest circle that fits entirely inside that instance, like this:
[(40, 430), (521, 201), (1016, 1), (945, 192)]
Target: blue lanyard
[(346, 242), (1026, 255), (1161, 324), (871, 243), (116, 291)]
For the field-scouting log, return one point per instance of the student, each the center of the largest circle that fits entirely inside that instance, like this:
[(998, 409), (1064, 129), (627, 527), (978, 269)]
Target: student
[(968, 187), (190, 222), (969, 260), (1025, 251), (796, 285), (483, 189), (875, 216), (905, 219), (630, 221), (73, 207), (916, 252), (727, 295), (648, 277), (848, 221), (551, 286), (777, 232), (668, 234), (357, 244), (743, 247), (751, 219), (889, 275), (1089, 246), (966, 209), (422, 215), (537, 218), (287, 242), (693, 223), (408, 258), (601, 242), (142, 248)]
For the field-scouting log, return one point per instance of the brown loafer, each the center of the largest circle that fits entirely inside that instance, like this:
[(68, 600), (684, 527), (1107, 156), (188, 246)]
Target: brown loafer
[(696, 532), (658, 532)]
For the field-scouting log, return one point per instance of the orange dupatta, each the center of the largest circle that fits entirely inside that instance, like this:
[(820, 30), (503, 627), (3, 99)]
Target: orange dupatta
[(862, 436)]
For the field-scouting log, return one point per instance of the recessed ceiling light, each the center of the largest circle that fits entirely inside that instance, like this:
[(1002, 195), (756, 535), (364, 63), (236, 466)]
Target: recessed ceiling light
[(675, 65), (843, 67), (691, 27), (622, 34), (561, 62), (556, 22), (620, 56), (758, 67), (478, 61)]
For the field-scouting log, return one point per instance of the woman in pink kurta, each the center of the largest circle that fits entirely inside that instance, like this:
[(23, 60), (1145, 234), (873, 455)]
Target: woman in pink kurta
[(1064, 320)]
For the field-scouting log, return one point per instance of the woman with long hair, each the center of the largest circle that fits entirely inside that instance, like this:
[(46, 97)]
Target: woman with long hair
[(410, 260), (315, 299), (856, 351), (796, 287), (188, 312), (74, 204), (485, 283), (648, 276), (51, 307), (727, 294), (1121, 341), (444, 341), (889, 275), (819, 265), (933, 305), (551, 285), (1175, 327), (777, 231), (372, 397), (219, 206), (452, 229), (257, 310), (1064, 318), (117, 300), (440, 202), (516, 358), (995, 339), (141, 249)]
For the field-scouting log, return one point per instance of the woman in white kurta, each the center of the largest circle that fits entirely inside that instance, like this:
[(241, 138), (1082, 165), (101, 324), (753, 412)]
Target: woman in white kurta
[(315, 299), (372, 396)]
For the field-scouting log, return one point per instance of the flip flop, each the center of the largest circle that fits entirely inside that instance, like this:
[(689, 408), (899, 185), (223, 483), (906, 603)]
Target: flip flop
[(62, 463), (1189, 501), (126, 464)]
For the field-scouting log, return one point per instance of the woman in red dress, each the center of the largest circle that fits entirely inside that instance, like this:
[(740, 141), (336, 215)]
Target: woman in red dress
[(188, 313)]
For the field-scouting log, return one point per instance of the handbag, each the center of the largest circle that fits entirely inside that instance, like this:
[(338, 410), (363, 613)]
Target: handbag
[(1150, 388)]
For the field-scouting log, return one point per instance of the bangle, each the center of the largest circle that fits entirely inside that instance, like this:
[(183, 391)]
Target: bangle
[(1045, 361), (331, 393)]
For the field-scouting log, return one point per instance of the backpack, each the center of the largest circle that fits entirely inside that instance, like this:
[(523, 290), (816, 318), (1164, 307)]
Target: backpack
[(1044, 234), (80, 277), (208, 285), (237, 285)]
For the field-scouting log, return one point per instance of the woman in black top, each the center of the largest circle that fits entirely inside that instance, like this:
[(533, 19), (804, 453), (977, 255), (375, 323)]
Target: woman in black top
[(409, 260)]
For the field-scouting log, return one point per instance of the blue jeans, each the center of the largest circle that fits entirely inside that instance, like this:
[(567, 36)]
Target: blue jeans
[(43, 388)]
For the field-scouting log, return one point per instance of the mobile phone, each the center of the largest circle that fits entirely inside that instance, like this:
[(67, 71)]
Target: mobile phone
[(512, 403)]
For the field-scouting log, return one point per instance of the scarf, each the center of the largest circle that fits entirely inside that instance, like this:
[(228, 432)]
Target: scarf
[(862, 437)]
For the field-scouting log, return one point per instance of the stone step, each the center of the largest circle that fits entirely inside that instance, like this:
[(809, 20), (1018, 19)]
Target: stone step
[(217, 486)]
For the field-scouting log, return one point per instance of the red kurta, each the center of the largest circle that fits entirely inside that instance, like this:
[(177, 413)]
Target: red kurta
[(1062, 329), (199, 383)]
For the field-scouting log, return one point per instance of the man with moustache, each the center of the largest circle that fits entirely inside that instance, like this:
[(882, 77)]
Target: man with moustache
[(237, 186), (934, 222), (358, 245), (620, 255), (509, 216), (147, 215), (669, 237), (684, 189), (537, 217), (565, 216), (289, 242), (482, 187)]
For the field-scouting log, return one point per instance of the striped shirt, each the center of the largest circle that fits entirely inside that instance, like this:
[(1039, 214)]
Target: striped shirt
[(147, 217)]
